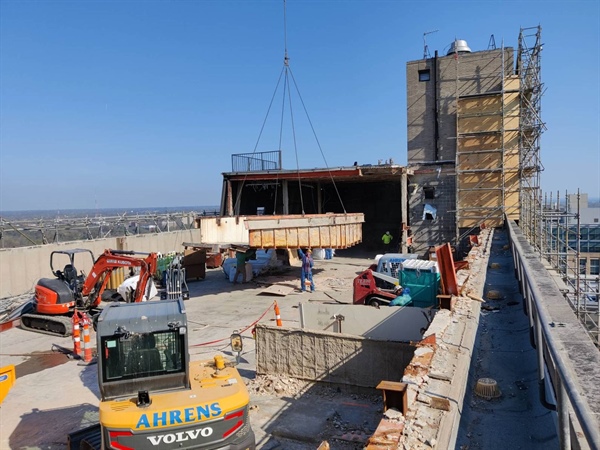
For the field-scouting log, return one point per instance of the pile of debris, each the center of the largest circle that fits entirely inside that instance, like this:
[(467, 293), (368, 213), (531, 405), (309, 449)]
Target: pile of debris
[(279, 385), (10, 304)]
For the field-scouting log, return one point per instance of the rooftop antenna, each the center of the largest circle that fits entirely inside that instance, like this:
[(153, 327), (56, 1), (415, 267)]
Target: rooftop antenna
[(426, 53), (492, 43)]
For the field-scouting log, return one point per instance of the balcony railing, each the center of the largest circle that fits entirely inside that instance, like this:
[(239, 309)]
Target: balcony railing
[(256, 162)]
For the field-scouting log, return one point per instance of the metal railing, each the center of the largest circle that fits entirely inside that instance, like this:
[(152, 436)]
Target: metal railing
[(256, 162), (564, 349), (22, 232)]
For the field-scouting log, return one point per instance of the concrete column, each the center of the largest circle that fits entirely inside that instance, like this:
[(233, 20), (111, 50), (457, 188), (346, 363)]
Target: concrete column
[(223, 211), (319, 199), (286, 199), (229, 199)]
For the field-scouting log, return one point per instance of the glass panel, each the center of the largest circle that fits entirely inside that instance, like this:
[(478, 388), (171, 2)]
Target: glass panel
[(142, 355), (594, 266)]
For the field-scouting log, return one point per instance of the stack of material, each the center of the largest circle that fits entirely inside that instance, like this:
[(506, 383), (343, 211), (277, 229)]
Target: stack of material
[(194, 263)]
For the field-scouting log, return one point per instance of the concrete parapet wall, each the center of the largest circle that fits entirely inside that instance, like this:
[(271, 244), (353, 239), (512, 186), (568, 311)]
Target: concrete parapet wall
[(330, 357), (21, 268)]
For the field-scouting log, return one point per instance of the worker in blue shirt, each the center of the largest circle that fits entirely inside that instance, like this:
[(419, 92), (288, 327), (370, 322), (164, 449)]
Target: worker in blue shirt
[(306, 273)]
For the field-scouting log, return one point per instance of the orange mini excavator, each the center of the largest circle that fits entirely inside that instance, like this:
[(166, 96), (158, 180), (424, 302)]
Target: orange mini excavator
[(57, 298)]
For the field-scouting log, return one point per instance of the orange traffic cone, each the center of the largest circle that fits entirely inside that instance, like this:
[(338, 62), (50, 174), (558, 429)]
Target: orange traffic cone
[(87, 346), (76, 334), (278, 315)]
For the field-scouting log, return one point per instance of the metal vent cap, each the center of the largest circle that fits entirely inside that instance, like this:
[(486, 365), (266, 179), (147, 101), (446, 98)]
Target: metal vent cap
[(458, 46)]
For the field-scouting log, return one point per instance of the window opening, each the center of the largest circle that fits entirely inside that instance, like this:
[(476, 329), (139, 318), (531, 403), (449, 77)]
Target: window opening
[(429, 212), (594, 266)]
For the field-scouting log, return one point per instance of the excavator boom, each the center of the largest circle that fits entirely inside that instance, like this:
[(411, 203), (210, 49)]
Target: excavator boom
[(110, 260)]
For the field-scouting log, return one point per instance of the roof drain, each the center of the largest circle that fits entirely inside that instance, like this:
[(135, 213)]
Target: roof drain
[(487, 388)]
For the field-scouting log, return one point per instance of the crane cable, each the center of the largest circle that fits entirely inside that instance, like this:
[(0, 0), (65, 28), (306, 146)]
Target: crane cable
[(318, 142), (287, 67), (239, 194), (286, 90), (287, 71)]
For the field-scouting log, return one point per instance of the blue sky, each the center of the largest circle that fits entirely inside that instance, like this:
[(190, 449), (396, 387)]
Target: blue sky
[(142, 103)]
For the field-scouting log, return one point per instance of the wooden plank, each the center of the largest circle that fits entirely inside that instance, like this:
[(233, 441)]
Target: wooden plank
[(479, 124), (479, 161), (484, 142), (478, 105), (512, 83), (480, 180), (279, 290)]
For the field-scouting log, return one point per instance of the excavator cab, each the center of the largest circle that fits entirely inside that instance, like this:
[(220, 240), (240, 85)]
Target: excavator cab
[(69, 273)]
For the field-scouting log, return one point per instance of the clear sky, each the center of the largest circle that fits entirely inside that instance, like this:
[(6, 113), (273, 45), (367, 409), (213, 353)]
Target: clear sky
[(142, 103)]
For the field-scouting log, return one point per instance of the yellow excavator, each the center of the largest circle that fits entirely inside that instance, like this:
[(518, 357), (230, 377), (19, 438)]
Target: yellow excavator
[(153, 396)]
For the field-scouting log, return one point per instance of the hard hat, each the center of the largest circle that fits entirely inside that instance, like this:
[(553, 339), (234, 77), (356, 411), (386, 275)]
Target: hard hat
[(387, 232)]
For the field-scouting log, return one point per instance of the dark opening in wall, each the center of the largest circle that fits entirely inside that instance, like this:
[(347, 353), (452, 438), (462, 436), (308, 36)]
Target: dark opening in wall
[(424, 75), (429, 192)]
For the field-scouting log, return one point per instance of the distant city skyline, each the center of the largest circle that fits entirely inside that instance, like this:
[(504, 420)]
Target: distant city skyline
[(131, 104)]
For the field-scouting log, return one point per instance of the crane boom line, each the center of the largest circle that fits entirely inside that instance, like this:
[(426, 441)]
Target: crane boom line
[(317, 139), (262, 128), (289, 93)]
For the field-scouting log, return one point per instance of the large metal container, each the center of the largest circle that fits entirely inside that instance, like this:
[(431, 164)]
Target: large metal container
[(292, 231)]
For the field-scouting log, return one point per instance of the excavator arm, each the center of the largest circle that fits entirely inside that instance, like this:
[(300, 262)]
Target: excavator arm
[(97, 279)]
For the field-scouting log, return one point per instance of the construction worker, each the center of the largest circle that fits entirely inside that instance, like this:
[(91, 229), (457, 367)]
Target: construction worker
[(240, 260), (387, 240), (306, 272)]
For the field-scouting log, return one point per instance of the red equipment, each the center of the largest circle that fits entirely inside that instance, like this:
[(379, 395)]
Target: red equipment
[(375, 289), (57, 298)]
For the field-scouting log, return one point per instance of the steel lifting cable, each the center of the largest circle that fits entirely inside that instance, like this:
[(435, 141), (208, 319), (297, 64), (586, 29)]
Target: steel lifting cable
[(239, 194), (286, 65), (287, 70), (280, 133), (317, 140), (295, 143)]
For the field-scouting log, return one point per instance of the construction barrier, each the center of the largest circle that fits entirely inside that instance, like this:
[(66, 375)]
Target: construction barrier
[(76, 334), (87, 346), (278, 315)]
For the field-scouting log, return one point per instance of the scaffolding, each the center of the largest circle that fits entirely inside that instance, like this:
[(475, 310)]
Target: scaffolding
[(561, 232), (531, 128), (487, 150)]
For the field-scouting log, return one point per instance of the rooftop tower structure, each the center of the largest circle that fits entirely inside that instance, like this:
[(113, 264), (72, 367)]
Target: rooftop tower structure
[(471, 155)]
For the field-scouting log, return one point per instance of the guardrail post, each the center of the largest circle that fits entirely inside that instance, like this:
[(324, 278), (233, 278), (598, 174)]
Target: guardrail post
[(564, 428)]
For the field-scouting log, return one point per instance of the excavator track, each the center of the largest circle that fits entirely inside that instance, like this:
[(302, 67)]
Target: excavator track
[(89, 438), (52, 325)]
